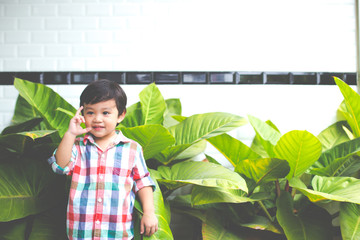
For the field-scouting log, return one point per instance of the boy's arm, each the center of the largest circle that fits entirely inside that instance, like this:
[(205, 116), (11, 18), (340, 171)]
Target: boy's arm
[(63, 152), (149, 222)]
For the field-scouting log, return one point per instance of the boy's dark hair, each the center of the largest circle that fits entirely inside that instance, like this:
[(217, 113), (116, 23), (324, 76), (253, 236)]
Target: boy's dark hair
[(103, 90)]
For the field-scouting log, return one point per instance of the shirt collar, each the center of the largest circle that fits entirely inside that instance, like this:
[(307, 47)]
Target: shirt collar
[(119, 138)]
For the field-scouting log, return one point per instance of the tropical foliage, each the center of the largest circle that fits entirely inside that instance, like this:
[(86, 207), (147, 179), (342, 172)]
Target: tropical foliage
[(283, 186)]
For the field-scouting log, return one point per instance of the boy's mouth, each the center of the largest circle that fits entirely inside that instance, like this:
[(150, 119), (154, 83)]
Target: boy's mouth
[(97, 128)]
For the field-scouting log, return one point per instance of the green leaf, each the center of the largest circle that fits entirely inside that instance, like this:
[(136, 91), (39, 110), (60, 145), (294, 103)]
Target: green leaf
[(300, 148), (208, 195), (266, 134), (352, 111), (341, 160), (22, 127), (133, 116), (152, 104), (173, 108), (333, 135), (263, 170), (162, 211), (213, 228), (152, 138), (341, 189), (310, 223), (202, 126), (170, 153), (45, 101), (350, 221), (234, 150), (14, 229), (19, 142), (27, 188), (200, 173)]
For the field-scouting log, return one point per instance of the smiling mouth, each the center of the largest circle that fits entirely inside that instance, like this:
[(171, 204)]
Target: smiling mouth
[(97, 128)]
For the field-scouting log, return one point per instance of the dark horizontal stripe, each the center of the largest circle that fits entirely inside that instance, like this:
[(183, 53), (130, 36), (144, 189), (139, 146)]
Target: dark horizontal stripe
[(237, 77)]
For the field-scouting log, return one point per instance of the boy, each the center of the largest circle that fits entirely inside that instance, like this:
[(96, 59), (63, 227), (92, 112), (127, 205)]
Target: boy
[(107, 169)]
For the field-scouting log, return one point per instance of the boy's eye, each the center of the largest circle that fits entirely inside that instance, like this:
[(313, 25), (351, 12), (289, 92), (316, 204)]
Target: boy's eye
[(106, 113), (89, 113)]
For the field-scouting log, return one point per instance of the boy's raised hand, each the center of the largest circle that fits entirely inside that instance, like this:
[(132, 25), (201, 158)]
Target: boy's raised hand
[(75, 124)]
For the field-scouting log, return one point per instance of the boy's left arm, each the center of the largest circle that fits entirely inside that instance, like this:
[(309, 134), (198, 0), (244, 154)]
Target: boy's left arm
[(149, 222)]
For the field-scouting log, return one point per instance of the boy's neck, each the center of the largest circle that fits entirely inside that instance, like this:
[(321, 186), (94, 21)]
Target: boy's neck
[(104, 143)]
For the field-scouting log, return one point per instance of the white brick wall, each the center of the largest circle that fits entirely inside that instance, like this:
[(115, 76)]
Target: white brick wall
[(178, 35)]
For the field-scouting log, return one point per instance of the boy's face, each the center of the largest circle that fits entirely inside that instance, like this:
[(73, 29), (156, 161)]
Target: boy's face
[(102, 118)]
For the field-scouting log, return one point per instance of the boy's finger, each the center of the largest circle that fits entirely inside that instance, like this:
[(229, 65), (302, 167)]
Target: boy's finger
[(79, 110), (141, 228)]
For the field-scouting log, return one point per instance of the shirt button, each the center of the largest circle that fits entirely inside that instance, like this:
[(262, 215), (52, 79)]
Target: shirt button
[(97, 222), (99, 200)]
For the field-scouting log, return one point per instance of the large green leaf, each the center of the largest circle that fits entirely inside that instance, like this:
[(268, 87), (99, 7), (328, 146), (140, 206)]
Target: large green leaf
[(152, 104), (333, 135), (200, 173), (208, 195), (45, 101), (173, 108), (162, 211), (152, 138), (341, 160), (341, 189), (352, 110), (266, 134), (203, 126), (310, 223), (28, 125), (19, 142), (263, 170), (27, 188), (133, 116), (234, 150), (213, 228), (15, 229), (300, 148), (196, 128), (350, 221)]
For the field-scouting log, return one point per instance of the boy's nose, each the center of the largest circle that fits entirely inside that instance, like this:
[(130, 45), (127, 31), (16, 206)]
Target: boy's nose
[(97, 118)]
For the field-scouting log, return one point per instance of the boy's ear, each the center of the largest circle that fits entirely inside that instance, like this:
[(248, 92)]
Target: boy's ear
[(121, 117)]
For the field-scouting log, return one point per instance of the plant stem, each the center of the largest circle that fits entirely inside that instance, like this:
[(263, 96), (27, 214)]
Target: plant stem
[(265, 210), (277, 186)]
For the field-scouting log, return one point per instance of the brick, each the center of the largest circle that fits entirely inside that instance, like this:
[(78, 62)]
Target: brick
[(70, 92), (14, 37), (71, 10), (71, 37), (31, 24), (112, 50), (99, 37), (30, 50), (43, 64), (98, 10), (99, 64), (7, 105), (112, 23), (32, 1), (58, 23), (8, 23), (45, 37), (71, 64), (84, 23), (7, 51), (17, 10), (126, 10), (10, 92), (85, 51), (57, 50), (16, 65), (43, 10)]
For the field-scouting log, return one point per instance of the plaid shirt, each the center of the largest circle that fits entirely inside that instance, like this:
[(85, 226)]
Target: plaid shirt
[(103, 188)]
